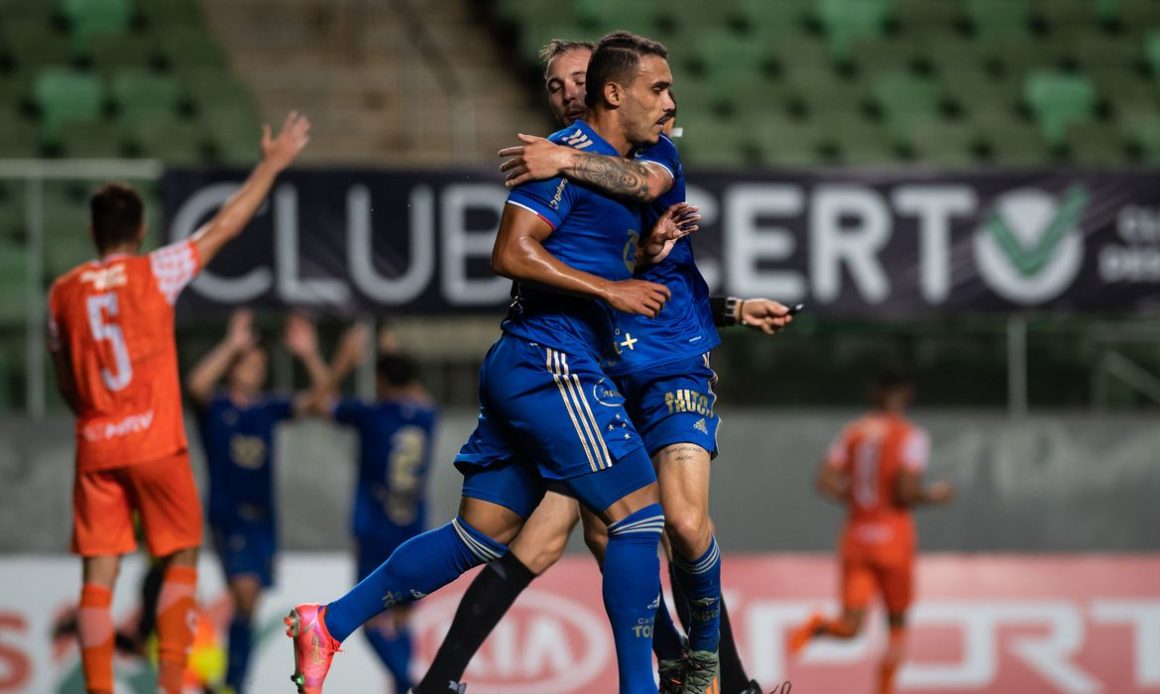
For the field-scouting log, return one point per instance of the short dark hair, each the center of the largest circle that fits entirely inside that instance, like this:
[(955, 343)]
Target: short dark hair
[(397, 370), (616, 59), (557, 47), (115, 211), (892, 378)]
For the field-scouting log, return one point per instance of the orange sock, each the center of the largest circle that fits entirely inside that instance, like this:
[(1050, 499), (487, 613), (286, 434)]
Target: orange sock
[(837, 628), (891, 661), (97, 636), (175, 615)]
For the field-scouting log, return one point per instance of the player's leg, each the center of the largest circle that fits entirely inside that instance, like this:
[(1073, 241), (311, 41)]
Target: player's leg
[(859, 584), (539, 545), (102, 532), (166, 496), (897, 593), (247, 556), (245, 589)]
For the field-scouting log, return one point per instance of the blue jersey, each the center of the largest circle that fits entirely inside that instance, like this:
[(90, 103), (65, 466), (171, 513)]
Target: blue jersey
[(395, 440), (239, 450), (684, 328), (591, 232)]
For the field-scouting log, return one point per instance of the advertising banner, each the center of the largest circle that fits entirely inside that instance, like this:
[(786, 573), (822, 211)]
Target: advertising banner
[(847, 242), (982, 623)]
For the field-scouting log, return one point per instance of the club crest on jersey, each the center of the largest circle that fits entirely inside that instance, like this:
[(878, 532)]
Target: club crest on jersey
[(629, 254), (605, 393)]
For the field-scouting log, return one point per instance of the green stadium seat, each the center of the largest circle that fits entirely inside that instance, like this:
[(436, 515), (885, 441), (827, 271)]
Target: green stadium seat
[(710, 142), (1058, 101), (882, 55), (67, 95), (1144, 131), (921, 16), (170, 140), (33, 43), (161, 15), (771, 20), (19, 136), (602, 16), (66, 241), (12, 219), (141, 95), (91, 18), (800, 51), (906, 99), (939, 143), (189, 47), (848, 21), (723, 53), (1013, 143), (975, 88), (695, 16), (1095, 50), (111, 54), (1152, 52), (994, 19), (534, 37), (1096, 145), (84, 140), (790, 143), (233, 133)]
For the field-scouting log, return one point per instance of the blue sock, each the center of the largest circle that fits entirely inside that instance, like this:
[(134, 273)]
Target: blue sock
[(701, 582), (632, 586), (238, 659), (394, 649), (421, 565), (667, 642)]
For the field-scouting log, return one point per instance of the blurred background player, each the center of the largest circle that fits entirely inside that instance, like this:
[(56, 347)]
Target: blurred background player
[(662, 368), (396, 434), (875, 468), (110, 334), (237, 425)]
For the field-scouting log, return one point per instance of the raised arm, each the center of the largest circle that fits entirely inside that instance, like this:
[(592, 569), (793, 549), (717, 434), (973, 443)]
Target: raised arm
[(301, 339), (213, 366), (232, 218), (539, 159), (519, 254)]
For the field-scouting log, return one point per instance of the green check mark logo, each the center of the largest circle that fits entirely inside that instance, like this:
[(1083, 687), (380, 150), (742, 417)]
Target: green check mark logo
[(1030, 261)]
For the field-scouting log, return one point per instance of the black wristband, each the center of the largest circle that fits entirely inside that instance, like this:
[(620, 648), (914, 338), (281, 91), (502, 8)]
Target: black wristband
[(724, 310)]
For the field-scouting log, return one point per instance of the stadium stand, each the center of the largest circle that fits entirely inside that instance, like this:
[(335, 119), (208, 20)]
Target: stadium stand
[(950, 82)]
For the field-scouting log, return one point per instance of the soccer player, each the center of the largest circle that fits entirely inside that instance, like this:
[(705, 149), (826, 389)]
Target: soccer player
[(110, 333), (237, 426), (396, 435), (570, 251), (661, 368), (875, 468)]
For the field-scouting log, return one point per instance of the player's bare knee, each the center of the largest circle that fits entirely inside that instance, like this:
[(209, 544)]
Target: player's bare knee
[(539, 556), (182, 557), (689, 531)]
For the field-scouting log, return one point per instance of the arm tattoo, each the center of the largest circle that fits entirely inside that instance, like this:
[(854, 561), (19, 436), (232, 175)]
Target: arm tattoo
[(613, 175)]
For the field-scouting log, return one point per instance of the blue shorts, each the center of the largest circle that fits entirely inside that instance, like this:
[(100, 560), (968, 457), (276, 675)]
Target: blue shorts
[(246, 549), (674, 403), (555, 414)]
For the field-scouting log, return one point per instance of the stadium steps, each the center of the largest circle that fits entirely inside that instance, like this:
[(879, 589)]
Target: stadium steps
[(357, 77)]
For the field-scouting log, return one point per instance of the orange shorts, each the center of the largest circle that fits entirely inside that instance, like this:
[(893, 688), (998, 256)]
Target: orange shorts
[(862, 579), (163, 494)]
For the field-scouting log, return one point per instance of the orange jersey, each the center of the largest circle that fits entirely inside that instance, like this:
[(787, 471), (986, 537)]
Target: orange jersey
[(873, 452), (113, 319)]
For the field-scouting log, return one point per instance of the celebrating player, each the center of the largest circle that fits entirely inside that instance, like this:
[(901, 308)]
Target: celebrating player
[(875, 468), (661, 369), (237, 432), (570, 250), (110, 333), (396, 434)]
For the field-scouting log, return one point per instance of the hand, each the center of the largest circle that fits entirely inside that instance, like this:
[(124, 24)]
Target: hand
[(765, 315), (940, 492), (637, 296), (677, 222), (240, 335), (301, 338), (352, 346), (281, 151), (536, 160), (388, 341)]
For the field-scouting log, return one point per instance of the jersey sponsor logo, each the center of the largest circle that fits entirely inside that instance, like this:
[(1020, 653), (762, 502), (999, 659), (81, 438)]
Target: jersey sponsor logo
[(1029, 248), (554, 203), (687, 400), (548, 642), (605, 393), (106, 278), (132, 424)]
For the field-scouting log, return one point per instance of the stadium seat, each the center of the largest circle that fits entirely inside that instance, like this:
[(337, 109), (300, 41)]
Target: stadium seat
[(161, 15), (723, 52), (1013, 143), (19, 137), (906, 99), (1094, 144), (600, 16), (13, 285), (189, 47), (772, 20), (1059, 100), (849, 21), (141, 95), (67, 95), (96, 139), (91, 18), (34, 43), (1152, 53), (111, 54), (940, 143), (1144, 131), (995, 19), (171, 140)]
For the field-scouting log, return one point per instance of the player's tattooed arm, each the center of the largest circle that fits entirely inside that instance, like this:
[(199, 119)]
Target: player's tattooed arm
[(540, 159)]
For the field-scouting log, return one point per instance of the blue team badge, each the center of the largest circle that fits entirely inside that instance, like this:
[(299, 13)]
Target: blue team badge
[(630, 250), (605, 393)]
